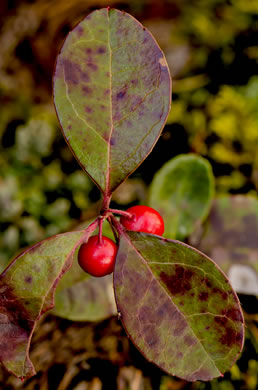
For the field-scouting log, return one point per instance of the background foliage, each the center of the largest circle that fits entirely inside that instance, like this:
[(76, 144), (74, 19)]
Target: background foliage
[(211, 48)]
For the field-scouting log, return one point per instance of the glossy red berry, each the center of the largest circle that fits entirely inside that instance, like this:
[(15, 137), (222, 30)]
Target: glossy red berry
[(97, 259), (144, 219)]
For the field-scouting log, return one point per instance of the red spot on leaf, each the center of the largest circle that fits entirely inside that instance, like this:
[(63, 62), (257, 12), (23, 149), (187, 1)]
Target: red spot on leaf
[(88, 109)]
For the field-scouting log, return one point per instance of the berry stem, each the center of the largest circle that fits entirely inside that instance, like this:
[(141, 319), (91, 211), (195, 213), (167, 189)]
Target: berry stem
[(100, 241), (121, 212)]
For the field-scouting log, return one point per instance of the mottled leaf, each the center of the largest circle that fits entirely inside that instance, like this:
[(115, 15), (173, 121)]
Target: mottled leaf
[(182, 192), (81, 297), (27, 288), (177, 306), (112, 94), (230, 237)]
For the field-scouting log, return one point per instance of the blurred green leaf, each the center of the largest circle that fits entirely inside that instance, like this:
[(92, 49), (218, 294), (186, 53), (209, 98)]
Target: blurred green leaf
[(81, 297), (182, 192)]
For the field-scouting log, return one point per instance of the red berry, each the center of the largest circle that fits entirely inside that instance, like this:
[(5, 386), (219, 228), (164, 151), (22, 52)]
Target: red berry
[(98, 259), (144, 219)]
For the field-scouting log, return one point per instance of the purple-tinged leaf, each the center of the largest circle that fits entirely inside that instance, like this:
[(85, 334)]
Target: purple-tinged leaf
[(27, 289), (230, 237), (112, 92), (177, 306)]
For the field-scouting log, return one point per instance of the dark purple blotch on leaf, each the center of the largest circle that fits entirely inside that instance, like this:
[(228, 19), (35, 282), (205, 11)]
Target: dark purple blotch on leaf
[(231, 337), (112, 141), (88, 109), (120, 94), (80, 31), (86, 90), (71, 71), (17, 325), (28, 279), (101, 50), (203, 296), (179, 330), (151, 337), (180, 282), (234, 314), (92, 66)]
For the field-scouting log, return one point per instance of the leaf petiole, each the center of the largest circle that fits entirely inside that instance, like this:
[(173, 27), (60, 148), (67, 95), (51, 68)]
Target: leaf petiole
[(121, 212)]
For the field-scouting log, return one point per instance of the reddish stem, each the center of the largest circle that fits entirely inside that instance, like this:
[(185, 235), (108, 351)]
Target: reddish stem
[(100, 241), (105, 203), (121, 212)]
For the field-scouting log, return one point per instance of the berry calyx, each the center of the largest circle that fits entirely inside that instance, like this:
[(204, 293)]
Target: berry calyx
[(98, 259), (143, 219)]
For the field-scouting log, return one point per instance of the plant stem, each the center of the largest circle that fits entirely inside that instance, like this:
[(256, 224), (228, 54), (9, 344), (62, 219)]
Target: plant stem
[(90, 229), (105, 203), (100, 241), (121, 212)]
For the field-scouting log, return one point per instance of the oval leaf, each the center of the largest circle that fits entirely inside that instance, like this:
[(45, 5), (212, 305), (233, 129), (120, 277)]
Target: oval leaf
[(81, 297), (27, 290), (112, 93), (177, 306), (182, 192), (230, 237)]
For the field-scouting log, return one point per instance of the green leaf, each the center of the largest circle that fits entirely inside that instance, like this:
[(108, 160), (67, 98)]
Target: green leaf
[(182, 192), (177, 306), (27, 288), (112, 93), (230, 237), (81, 297)]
